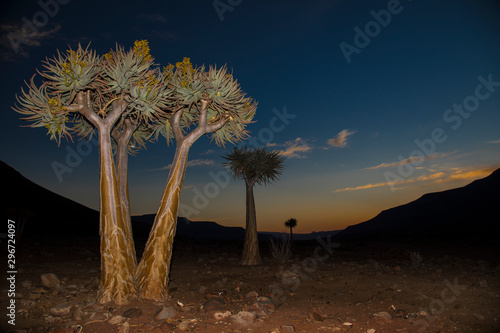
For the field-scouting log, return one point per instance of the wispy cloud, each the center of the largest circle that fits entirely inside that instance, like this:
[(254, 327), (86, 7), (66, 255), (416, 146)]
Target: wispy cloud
[(293, 148), (493, 142), (431, 179), (411, 160), (340, 140), (191, 163), (15, 43)]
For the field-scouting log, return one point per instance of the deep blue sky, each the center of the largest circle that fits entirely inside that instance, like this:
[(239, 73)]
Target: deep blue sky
[(352, 122)]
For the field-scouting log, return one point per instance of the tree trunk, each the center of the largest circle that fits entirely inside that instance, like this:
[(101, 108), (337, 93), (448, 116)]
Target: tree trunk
[(117, 282), (122, 160), (251, 254), (291, 236), (153, 270)]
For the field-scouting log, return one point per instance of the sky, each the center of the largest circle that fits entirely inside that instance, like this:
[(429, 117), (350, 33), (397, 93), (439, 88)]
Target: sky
[(373, 103)]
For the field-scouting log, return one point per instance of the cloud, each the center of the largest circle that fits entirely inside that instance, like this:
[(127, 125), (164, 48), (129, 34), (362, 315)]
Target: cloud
[(191, 163), (434, 178), (208, 152), (14, 41), (340, 140), (293, 148), (410, 160), (493, 142)]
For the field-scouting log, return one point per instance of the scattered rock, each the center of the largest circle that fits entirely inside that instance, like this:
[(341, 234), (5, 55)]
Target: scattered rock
[(243, 318), (216, 304), (61, 309), (397, 268), (383, 315), (77, 313), (287, 328), (251, 295), (222, 315), (290, 279), (166, 313), (262, 306), (187, 325), (124, 328), (370, 330), (132, 313), (278, 293), (314, 315), (117, 320), (53, 320), (50, 280)]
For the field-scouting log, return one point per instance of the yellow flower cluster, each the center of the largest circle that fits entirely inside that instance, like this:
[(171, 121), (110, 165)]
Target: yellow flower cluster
[(141, 48), (55, 106), (108, 56), (187, 71)]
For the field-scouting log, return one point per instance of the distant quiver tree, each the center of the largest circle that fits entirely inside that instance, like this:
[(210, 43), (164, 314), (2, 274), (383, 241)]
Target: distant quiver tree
[(255, 166), (291, 223)]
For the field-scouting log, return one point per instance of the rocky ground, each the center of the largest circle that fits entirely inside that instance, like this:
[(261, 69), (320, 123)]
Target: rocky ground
[(326, 287)]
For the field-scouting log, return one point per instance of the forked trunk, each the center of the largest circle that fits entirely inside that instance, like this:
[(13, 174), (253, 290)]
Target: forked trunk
[(251, 254), (116, 265), (122, 160), (153, 270)]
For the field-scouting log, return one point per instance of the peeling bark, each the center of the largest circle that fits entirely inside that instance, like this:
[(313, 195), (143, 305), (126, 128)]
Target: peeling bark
[(116, 266), (122, 175), (153, 271), (251, 253)]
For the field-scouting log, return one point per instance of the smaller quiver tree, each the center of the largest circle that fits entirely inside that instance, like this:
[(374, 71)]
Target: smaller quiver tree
[(255, 166), (290, 224)]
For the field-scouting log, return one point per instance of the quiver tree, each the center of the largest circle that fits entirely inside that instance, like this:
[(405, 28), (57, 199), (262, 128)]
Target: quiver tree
[(206, 101), (255, 166), (120, 95), (291, 223)]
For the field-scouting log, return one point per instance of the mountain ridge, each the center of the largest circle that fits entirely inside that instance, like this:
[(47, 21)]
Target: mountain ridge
[(445, 212)]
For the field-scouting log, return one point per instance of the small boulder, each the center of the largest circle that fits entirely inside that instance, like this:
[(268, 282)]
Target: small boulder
[(243, 318), (166, 313), (132, 313), (50, 280), (61, 309), (383, 315)]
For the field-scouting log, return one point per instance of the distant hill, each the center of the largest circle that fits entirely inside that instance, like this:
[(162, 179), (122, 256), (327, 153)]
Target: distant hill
[(43, 212), (472, 210)]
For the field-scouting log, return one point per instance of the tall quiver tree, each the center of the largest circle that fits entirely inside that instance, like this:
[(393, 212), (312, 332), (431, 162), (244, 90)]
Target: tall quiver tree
[(291, 223), (255, 166), (206, 102), (83, 93)]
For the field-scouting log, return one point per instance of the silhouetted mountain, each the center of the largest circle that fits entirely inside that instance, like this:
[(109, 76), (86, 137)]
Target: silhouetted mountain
[(472, 210), (193, 229), (40, 212)]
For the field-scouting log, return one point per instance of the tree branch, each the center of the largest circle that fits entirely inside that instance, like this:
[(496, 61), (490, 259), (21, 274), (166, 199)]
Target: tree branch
[(176, 127)]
